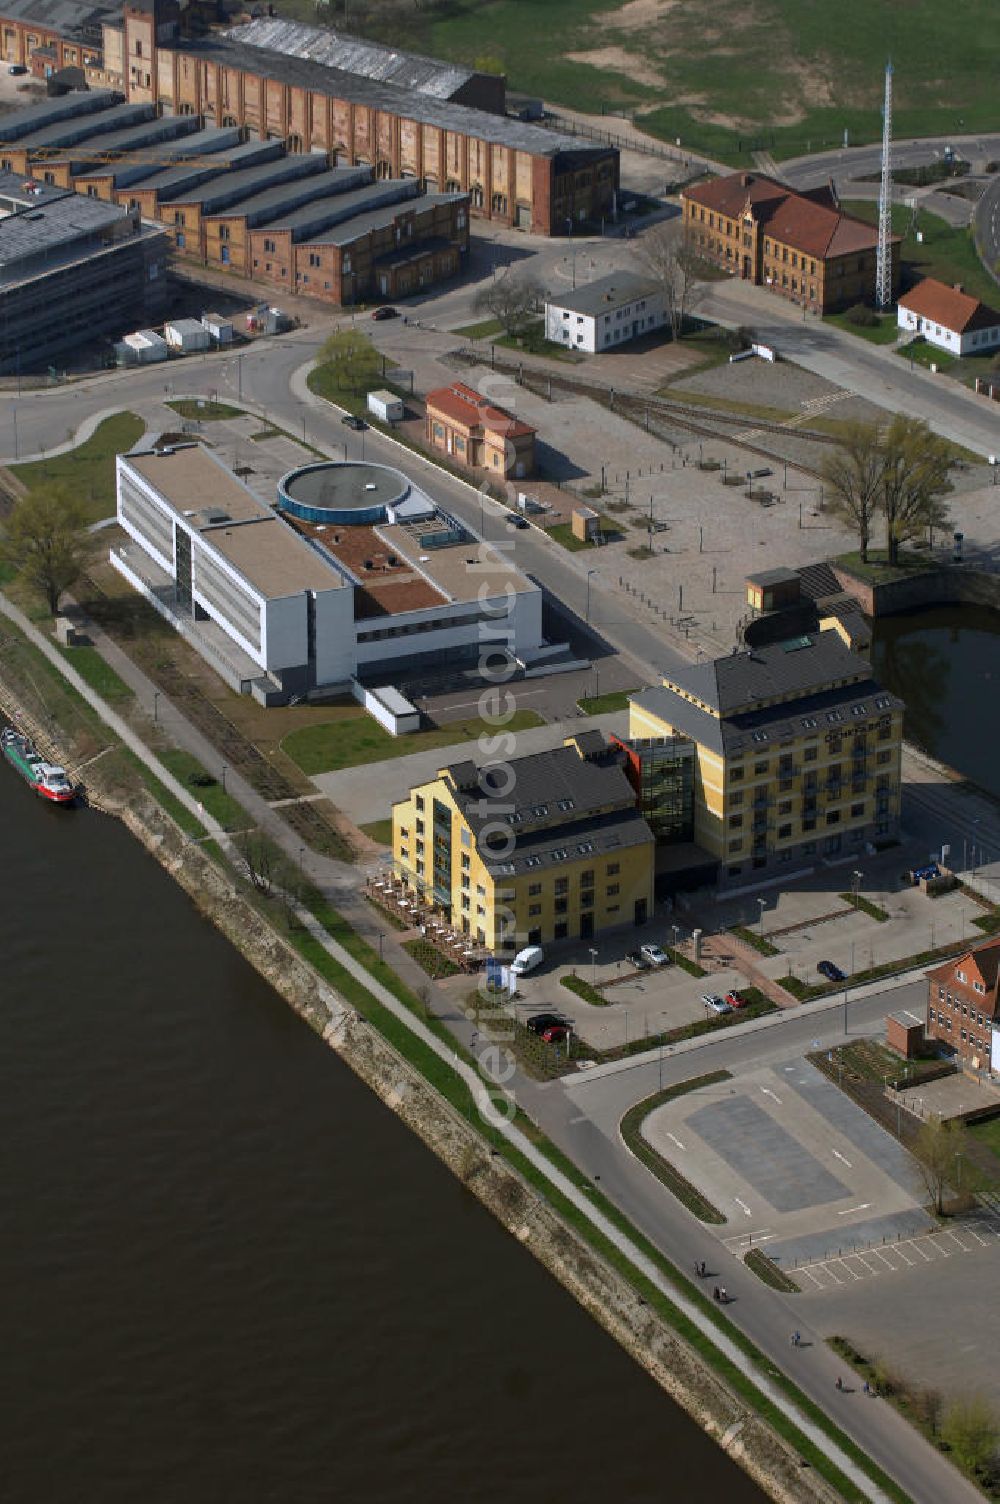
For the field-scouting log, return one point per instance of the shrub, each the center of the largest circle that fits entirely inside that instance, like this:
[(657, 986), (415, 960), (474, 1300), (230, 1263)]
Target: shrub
[(864, 318)]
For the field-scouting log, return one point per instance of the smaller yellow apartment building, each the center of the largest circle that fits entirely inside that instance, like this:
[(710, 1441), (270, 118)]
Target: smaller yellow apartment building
[(550, 846), (797, 754)]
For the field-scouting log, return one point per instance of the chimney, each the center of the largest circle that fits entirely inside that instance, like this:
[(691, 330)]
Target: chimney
[(958, 287), (744, 180)]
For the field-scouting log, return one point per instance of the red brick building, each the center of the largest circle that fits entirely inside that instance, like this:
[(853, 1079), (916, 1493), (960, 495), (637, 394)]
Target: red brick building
[(799, 245), (962, 1003)]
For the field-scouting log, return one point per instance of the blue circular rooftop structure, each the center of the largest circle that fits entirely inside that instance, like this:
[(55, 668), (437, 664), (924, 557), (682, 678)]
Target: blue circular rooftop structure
[(345, 493)]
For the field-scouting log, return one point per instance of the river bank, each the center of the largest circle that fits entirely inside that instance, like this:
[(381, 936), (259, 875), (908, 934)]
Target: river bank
[(602, 1289)]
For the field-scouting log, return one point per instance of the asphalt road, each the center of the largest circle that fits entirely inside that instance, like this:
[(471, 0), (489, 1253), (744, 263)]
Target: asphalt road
[(860, 161)]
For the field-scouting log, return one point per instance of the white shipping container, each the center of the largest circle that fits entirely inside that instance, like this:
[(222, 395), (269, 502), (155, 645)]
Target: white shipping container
[(187, 335), (385, 406)]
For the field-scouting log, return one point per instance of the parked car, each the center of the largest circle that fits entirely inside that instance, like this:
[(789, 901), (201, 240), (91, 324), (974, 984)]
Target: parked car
[(831, 971), (638, 960), (654, 954), (515, 520), (384, 313), (736, 1000), (16, 69), (526, 960), (555, 1033), (716, 1003), (539, 1022), (351, 421)]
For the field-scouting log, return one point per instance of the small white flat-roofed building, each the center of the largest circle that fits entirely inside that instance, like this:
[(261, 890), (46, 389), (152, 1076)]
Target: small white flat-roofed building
[(948, 318), (356, 575), (605, 313), (187, 335), (143, 348)]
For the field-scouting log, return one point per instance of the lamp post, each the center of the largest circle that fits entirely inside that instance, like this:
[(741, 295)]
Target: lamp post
[(156, 706), (589, 573), (762, 905), (856, 882), (593, 966), (224, 771), (662, 1018), (381, 937)]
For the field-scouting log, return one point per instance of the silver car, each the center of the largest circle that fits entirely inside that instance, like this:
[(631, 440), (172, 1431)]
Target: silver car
[(716, 1003)]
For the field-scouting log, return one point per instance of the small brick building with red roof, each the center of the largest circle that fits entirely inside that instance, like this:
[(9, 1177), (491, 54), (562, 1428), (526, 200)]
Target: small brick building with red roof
[(800, 245), (962, 998), (474, 432)]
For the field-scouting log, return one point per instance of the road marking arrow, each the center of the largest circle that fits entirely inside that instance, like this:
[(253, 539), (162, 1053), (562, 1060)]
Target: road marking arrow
[(839, 1156), (743, 1206), (864, 1207)]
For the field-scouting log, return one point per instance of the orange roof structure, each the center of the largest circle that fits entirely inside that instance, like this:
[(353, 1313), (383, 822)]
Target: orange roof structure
[(464, 405), (949, 306)]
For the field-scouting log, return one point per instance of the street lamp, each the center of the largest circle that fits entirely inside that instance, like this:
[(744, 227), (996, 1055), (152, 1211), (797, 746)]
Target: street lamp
[(662, 1018), (857, 876), (224, 771), (381, 937), (762, 904), (593, 966), (156, 705), (589, 573)]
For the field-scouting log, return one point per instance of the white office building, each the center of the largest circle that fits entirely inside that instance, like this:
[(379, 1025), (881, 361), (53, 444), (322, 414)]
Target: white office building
[(605, 313), (354, 574)]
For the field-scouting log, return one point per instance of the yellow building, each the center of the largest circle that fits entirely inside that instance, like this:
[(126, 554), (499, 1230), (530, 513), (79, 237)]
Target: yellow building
[(551, 846), (798, 753)]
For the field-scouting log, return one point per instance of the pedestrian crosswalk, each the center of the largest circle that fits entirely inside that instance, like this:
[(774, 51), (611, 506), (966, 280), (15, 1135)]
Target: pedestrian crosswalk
[(932, 1247)]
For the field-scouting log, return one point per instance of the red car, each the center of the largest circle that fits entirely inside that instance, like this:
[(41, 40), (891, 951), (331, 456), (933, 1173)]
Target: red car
[(555, 1034), (736, 1000)]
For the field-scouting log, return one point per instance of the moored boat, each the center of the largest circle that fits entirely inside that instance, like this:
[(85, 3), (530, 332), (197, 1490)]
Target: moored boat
[(47, 779)]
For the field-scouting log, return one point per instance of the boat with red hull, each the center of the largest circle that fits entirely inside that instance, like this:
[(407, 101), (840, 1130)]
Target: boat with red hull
[(47, 779)]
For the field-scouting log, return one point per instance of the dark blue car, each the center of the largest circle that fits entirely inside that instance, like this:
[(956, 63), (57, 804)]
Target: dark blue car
[(831, 971)]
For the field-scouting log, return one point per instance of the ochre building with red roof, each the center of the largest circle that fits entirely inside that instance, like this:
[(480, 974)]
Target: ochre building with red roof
[(473, 432), (799, 245)]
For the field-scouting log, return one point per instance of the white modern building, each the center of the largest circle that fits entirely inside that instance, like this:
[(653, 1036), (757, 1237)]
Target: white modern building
[(948, 318), (605, 313), (353, 575)]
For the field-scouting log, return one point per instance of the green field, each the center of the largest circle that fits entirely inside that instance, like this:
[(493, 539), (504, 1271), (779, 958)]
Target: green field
[(946, 252), (90, 468), (355, 738), (785, 75)]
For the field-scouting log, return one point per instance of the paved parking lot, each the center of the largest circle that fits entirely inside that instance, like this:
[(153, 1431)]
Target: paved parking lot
[(793, 1165)]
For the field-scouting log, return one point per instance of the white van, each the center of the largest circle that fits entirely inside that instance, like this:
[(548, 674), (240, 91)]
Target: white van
[(527, 959)]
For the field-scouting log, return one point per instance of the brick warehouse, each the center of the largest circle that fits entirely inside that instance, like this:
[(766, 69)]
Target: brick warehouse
[(799, 245), (962, 1002), (515, 173)]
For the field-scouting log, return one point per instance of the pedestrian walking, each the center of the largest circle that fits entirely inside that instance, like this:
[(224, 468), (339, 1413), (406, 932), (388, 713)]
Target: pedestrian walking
[(716, 1294), (840, 1382), (796, 1339), (868, 1387), (723, 1296)]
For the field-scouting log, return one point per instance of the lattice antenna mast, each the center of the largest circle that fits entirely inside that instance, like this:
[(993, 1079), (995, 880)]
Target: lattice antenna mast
[(883, 264)]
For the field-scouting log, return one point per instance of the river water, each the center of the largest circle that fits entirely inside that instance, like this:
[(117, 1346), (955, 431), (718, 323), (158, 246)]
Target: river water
[(230, 1275), (945, 663)]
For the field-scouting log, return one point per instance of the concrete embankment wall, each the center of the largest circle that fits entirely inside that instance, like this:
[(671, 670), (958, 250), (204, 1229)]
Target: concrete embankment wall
[(948, 585), (604, 1293)]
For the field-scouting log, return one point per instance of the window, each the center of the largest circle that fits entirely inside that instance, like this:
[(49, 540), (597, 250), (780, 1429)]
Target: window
[(466, 839), (613, 868), (534, 889), (465, 862), (534, 909), (784, 831), (419, 801), (759, 768), (612, 889), (735, 822)]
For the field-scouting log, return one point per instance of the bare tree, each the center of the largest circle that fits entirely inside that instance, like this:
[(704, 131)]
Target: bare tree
[(46, 540), (511, 300), (938, 1148), (914, 482), (671, 261), (853, 474)]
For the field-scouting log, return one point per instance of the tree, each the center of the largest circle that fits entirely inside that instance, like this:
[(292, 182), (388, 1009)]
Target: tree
[(351, 358), (970, 1429), (671, 261), (853, 474), (939, 1148), (46, 539), (511, 300), (914, 482)]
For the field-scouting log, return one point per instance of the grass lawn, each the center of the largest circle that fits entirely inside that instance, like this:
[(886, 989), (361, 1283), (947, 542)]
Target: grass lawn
[(99, 675), (206, 789), (203, 410), (605, 704), (355, 739), (946, 251), (877, 571), (563, 533), (483, 330), (380, 831), (90, 468), (883, 332), (532, 339), (730, 405)]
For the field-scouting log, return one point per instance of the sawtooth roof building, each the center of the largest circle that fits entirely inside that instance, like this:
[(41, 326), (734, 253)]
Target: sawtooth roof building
[(800, 245)]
